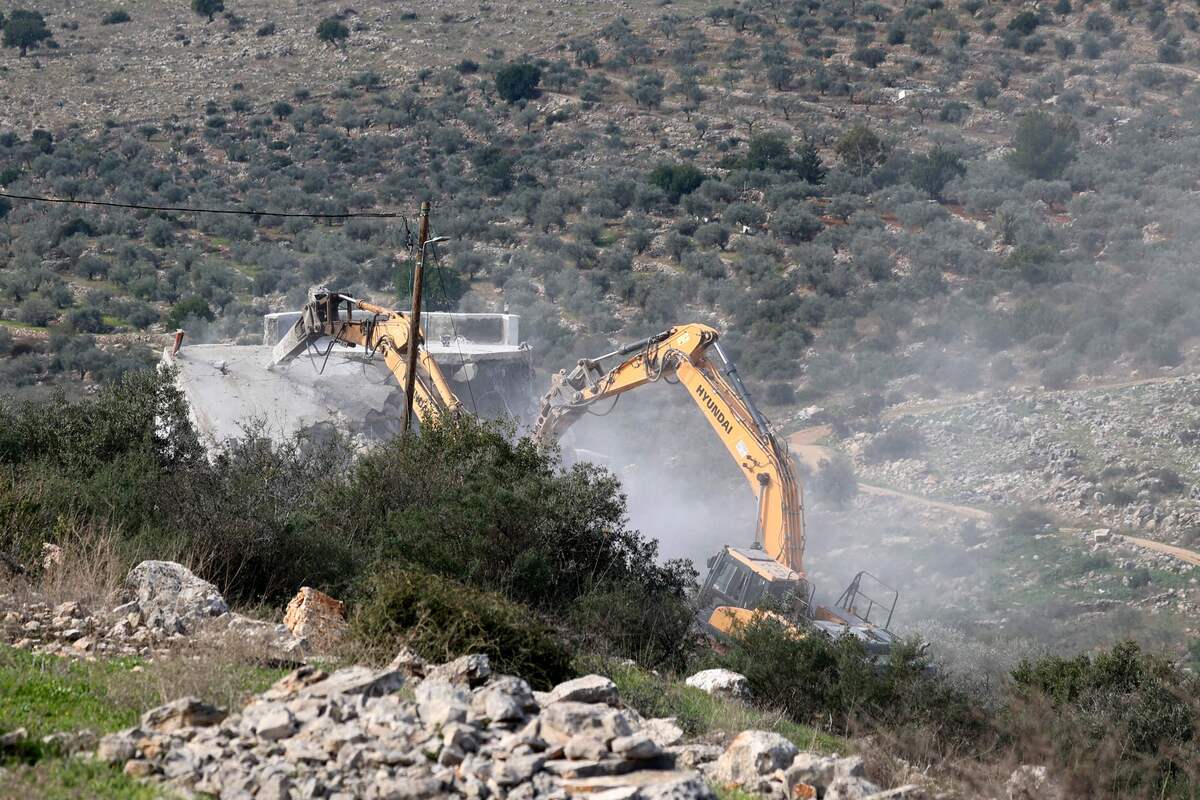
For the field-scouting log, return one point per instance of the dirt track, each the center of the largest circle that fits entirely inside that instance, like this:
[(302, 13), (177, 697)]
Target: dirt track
[(811, 455), (1183, 554)]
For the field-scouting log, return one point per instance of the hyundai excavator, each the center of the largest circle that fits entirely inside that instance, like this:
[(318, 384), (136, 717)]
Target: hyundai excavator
[(348, 321), (741, 580)]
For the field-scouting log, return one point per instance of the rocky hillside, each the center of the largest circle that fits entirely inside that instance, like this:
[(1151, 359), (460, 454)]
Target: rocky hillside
[(880, 200)]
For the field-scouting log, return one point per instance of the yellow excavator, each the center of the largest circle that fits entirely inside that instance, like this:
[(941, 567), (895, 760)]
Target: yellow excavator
[(349, 321), (770, 572)]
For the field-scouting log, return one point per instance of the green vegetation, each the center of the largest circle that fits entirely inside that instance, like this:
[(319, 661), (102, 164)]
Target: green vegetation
[(47, 694), (835, 482), (1044, 146), (816, 680), (699, 713), (25, 30), (72, 779), (189, 308), (676, 180), (440, 619), (466, 501), (332, 30), (518, 81), (1137, 712), (208, 8), (116, 17)]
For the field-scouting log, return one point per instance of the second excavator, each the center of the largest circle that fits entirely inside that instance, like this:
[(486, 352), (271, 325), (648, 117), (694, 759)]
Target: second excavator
[(741, 579)]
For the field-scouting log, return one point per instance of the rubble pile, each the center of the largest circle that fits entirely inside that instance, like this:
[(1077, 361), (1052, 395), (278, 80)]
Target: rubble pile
[(457, 729), (168, 606)]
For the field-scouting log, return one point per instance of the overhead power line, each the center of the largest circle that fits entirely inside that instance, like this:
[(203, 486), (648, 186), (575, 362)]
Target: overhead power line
[(181, 209)]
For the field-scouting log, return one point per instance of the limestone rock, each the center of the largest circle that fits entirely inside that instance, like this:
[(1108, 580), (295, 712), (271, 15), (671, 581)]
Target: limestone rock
[(722, 682), (357, 680), (295, 681), (409, 663), (317, 617), (585, 748), (472, 670), (274, 723), (812, 769), (664, 732), (186, 712), (561, 721), (588, 689), (752, 755), (440, 702), (116, 748), (1031, 782), (172, 595), (642, 785), (638, 747)]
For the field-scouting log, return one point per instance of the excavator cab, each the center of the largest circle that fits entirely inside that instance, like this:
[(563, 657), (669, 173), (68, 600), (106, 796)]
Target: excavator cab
[(742, 579)]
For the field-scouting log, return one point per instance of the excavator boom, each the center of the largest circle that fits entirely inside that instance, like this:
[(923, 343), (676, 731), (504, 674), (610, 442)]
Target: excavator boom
[(683, 353), (740, 579), (353, 322)]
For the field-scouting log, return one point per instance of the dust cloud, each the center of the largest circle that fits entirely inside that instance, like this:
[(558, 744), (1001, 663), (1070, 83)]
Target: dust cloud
[(682, 487)]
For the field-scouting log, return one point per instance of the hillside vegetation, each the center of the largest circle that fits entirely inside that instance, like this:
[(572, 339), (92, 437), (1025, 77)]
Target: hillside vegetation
[(867, 197)]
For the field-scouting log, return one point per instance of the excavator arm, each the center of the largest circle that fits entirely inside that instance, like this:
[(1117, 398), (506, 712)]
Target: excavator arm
[(740, 580), (378, 330), (681, 354)]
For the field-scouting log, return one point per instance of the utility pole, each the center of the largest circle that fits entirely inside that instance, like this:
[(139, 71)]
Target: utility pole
[(414, 330)]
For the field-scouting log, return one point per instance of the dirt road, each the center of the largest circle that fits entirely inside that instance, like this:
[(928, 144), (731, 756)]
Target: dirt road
[(1183, 554), (810, 454)]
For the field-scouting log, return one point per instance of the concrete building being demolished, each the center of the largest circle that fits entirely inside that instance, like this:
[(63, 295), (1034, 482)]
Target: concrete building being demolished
[(231, 388)]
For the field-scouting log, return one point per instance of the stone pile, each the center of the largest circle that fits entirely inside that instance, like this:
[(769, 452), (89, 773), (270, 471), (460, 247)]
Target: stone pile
[(168, 606), (456, 730), (461, 730)]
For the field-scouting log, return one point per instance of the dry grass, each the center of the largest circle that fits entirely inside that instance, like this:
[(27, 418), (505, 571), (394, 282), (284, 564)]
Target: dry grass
[(224, 673), (88, 567)]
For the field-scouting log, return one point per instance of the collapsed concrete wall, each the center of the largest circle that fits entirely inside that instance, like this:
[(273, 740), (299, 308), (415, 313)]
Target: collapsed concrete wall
[(333, 387)]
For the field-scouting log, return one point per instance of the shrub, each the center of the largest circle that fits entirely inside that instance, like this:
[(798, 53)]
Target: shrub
[(795, 222), (36, 311), (676, 180), (780, 394), (870, 57), (332, 30), (208, 8), (835, 481), (986, 90), (1024, 23), (463, 500), (193, 307), (518, 81), (1043, 146), (1027, 521), (26, 30), (901, 440), (1128, 714), (116, 17), (859, 149), (837, 684), (769, 151), (441, 618), (933, 170)]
